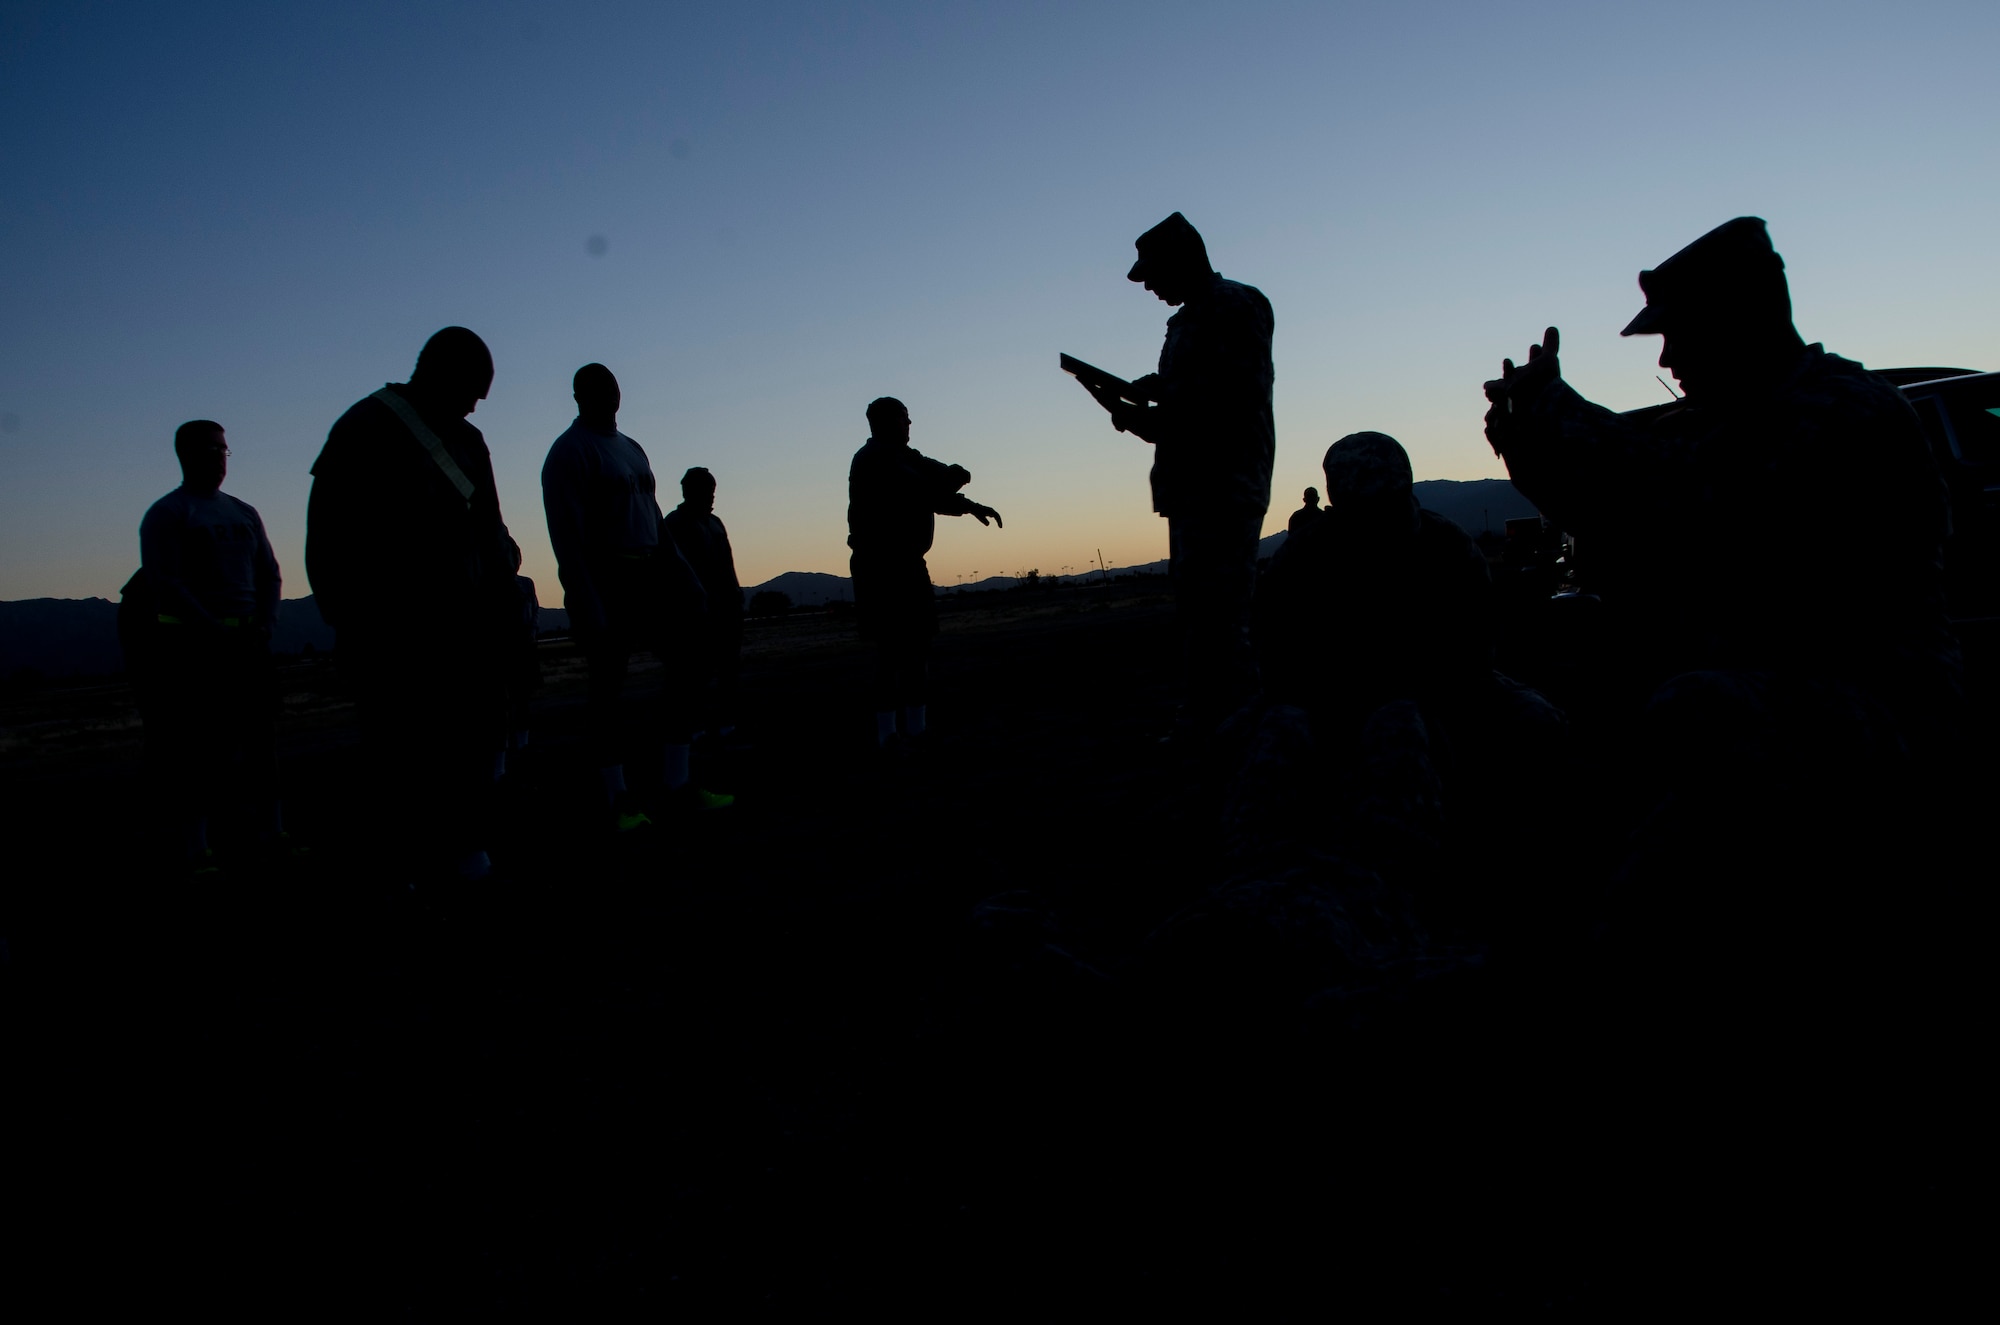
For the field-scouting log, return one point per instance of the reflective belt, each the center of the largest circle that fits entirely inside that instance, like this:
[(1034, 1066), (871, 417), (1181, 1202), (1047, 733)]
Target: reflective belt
[(421, 431)]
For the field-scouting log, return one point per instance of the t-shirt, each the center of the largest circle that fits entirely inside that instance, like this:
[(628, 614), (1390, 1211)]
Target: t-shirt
[(209, 559), (598, 492)]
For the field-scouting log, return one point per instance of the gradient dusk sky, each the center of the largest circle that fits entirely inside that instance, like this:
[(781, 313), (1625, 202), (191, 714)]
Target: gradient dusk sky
[(763, 216)]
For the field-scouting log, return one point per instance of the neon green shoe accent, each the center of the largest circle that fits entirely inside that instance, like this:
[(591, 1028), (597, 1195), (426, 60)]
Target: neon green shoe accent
[(711, 800), (625, 823), (205, 866)]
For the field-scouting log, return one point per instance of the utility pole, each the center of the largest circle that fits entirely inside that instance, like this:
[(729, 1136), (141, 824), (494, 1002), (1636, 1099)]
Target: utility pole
[(1100, 566)]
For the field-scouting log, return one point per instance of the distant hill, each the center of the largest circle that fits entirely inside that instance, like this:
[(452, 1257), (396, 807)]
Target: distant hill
[(72, 637), (1475, 505), (66, 637), (59, 637), (806, 588)]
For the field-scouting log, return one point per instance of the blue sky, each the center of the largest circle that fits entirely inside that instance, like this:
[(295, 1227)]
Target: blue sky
[(257, 213)]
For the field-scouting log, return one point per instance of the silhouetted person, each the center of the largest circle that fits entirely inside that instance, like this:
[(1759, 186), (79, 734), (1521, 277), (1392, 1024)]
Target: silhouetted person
[(626, 587), (894, 494), (1213, 441), (413, 567), (1376, 600), (1383, 721), (1792, 693), (206, 676), (699, 534), (1307, 515)]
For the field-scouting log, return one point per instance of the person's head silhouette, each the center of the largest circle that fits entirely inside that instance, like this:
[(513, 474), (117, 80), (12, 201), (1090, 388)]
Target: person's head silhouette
[(698, 489), (1725, 310), (597, 398), (1370, 491), (889, 421), (1312, 499), (454, 370), (1173, 260), (203, 450)]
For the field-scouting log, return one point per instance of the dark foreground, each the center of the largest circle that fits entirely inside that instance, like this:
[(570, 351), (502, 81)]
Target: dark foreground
[(884, 1036)]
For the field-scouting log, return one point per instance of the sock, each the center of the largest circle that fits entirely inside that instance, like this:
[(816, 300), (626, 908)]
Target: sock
[(913, 720), (519, 740), (677, 766), (885, 726), (614, 781), (499, 764)]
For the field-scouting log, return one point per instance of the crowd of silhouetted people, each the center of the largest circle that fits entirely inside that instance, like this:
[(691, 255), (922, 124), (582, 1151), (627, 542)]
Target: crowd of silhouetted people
[(1771, 716)]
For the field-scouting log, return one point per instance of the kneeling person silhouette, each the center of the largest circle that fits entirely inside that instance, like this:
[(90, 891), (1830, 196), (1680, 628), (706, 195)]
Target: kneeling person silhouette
[(894, 494), (626, 587)]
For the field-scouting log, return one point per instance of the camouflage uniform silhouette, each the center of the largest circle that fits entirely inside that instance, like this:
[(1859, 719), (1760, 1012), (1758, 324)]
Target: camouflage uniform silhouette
[(1792, 695), (1374, 628), (1214, 439)]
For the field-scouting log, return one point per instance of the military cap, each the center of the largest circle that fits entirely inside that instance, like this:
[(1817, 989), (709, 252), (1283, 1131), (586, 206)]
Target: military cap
[(1367, 466), (1731, 267), (1171, 238)]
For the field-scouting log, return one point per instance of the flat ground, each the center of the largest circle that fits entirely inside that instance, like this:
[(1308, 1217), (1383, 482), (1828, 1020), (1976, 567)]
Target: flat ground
[(771, 1058)]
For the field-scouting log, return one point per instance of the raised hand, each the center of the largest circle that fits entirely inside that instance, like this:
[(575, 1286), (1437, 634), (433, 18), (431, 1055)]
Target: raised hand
[(986, 513), (1517, 387), (1524, 382)]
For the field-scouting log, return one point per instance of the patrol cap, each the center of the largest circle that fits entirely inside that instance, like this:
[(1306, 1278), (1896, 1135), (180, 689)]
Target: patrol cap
[(1368, 466), (1173, 238), (1732, 267)]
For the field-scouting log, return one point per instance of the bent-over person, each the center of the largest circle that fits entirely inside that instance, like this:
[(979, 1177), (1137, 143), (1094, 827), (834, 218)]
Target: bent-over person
[(413, 567)]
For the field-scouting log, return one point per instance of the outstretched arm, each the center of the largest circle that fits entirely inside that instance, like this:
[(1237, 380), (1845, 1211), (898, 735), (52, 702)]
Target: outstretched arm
[(946, 481)]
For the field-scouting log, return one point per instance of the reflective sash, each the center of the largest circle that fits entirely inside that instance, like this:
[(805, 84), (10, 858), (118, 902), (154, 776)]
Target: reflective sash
[(421, 431)]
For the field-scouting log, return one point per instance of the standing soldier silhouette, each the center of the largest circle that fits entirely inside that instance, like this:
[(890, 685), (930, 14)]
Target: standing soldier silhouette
[(894, 494), (699, 535), (211, 582), (413, 567), (1213, 438), (626, 587)]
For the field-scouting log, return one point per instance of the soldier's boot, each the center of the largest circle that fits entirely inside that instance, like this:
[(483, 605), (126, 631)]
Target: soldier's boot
[(682, 793)]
